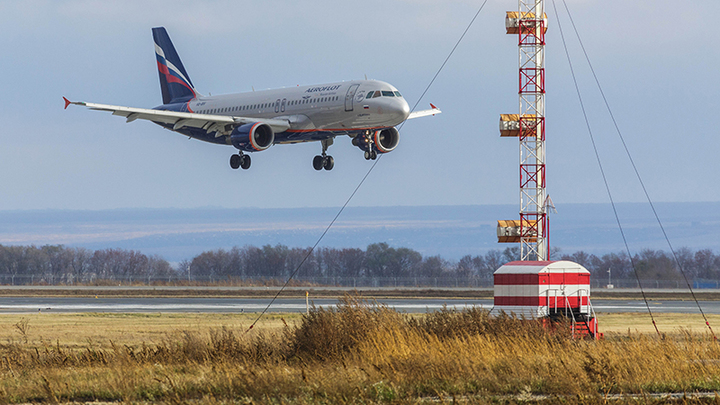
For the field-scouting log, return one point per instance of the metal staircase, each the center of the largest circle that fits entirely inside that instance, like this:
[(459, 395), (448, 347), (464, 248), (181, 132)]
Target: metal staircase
[(576, 308)]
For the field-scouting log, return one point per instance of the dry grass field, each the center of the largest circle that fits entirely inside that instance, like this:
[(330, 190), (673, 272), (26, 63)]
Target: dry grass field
[(79, 330), (357, 353), (99, 329)]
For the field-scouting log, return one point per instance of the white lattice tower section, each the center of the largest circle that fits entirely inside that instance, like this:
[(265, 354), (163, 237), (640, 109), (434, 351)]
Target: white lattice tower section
[(531, 51)]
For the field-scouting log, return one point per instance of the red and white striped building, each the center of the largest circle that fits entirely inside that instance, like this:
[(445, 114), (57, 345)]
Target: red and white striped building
[(539, 289)]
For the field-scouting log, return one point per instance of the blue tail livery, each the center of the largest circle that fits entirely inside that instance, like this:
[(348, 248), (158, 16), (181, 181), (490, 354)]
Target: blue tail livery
[(367, 111), (174, 80)]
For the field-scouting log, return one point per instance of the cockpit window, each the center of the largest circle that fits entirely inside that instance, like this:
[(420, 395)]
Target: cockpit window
[(383, 93)]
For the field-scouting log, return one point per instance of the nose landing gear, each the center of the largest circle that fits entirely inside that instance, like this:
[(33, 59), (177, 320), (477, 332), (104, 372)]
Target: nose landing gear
[(366, 142), (240, 160)]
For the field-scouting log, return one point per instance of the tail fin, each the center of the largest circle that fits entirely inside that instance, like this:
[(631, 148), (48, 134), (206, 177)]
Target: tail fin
[(174, 80)]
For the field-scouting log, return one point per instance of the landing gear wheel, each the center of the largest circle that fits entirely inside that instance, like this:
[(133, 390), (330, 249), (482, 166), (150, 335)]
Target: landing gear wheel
[(373, 155), (235, 161), (318, 162), (328, 163), (245, 162), (367, 155)]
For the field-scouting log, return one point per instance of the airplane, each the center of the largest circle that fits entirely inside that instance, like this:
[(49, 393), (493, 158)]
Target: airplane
[(367, 111)]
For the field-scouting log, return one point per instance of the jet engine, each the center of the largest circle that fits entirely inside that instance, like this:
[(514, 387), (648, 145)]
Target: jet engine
[(252, 137), (382, 141)]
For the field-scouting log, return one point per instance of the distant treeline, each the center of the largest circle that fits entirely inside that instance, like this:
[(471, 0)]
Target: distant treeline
[(56, 264)]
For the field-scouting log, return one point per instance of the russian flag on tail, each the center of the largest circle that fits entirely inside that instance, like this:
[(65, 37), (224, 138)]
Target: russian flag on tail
[(174, 81)]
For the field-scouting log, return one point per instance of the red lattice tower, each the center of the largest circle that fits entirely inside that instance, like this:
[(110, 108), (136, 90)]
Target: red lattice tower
[(529, 23)]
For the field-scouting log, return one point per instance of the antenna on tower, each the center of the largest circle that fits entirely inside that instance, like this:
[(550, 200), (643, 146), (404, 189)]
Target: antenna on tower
[(549, 206)]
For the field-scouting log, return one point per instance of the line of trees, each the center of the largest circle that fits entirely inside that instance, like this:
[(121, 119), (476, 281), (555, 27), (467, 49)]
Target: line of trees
[(652, 264), (56, 264), (378, 260)]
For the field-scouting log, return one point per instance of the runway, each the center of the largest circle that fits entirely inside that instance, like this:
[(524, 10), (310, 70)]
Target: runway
[(229, 305)]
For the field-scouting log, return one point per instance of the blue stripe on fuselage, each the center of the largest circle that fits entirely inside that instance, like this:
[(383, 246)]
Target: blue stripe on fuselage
[(281, 137)]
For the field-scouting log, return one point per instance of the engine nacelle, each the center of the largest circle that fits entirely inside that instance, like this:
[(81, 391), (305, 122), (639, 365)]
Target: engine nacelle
[(383, 140), (252, 137)]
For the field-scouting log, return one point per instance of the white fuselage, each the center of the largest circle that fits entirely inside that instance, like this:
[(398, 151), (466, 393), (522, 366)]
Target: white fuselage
[(334, 108)]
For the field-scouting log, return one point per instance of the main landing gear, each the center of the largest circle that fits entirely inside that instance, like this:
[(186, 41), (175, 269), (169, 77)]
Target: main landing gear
[(240, 160), (370, 155), (324, 161)]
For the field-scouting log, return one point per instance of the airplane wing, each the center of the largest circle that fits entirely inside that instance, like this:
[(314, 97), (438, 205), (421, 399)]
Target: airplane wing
[(208, 122), (424, 113)]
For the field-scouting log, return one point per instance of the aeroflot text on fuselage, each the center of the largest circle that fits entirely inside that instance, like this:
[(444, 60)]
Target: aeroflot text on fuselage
[(324, 88), (365, 110)]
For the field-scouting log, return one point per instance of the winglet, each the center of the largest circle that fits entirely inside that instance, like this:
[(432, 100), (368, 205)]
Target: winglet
[(433, 106), (67, 102)]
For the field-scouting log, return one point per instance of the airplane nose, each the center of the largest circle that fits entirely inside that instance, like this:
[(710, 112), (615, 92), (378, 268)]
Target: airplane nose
[(402, 109)]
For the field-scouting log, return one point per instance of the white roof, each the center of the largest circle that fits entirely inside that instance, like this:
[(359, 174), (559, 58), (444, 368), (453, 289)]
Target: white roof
[(527, 267)]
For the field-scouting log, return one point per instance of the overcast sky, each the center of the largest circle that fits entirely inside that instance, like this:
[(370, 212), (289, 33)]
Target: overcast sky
[(655, 58)]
